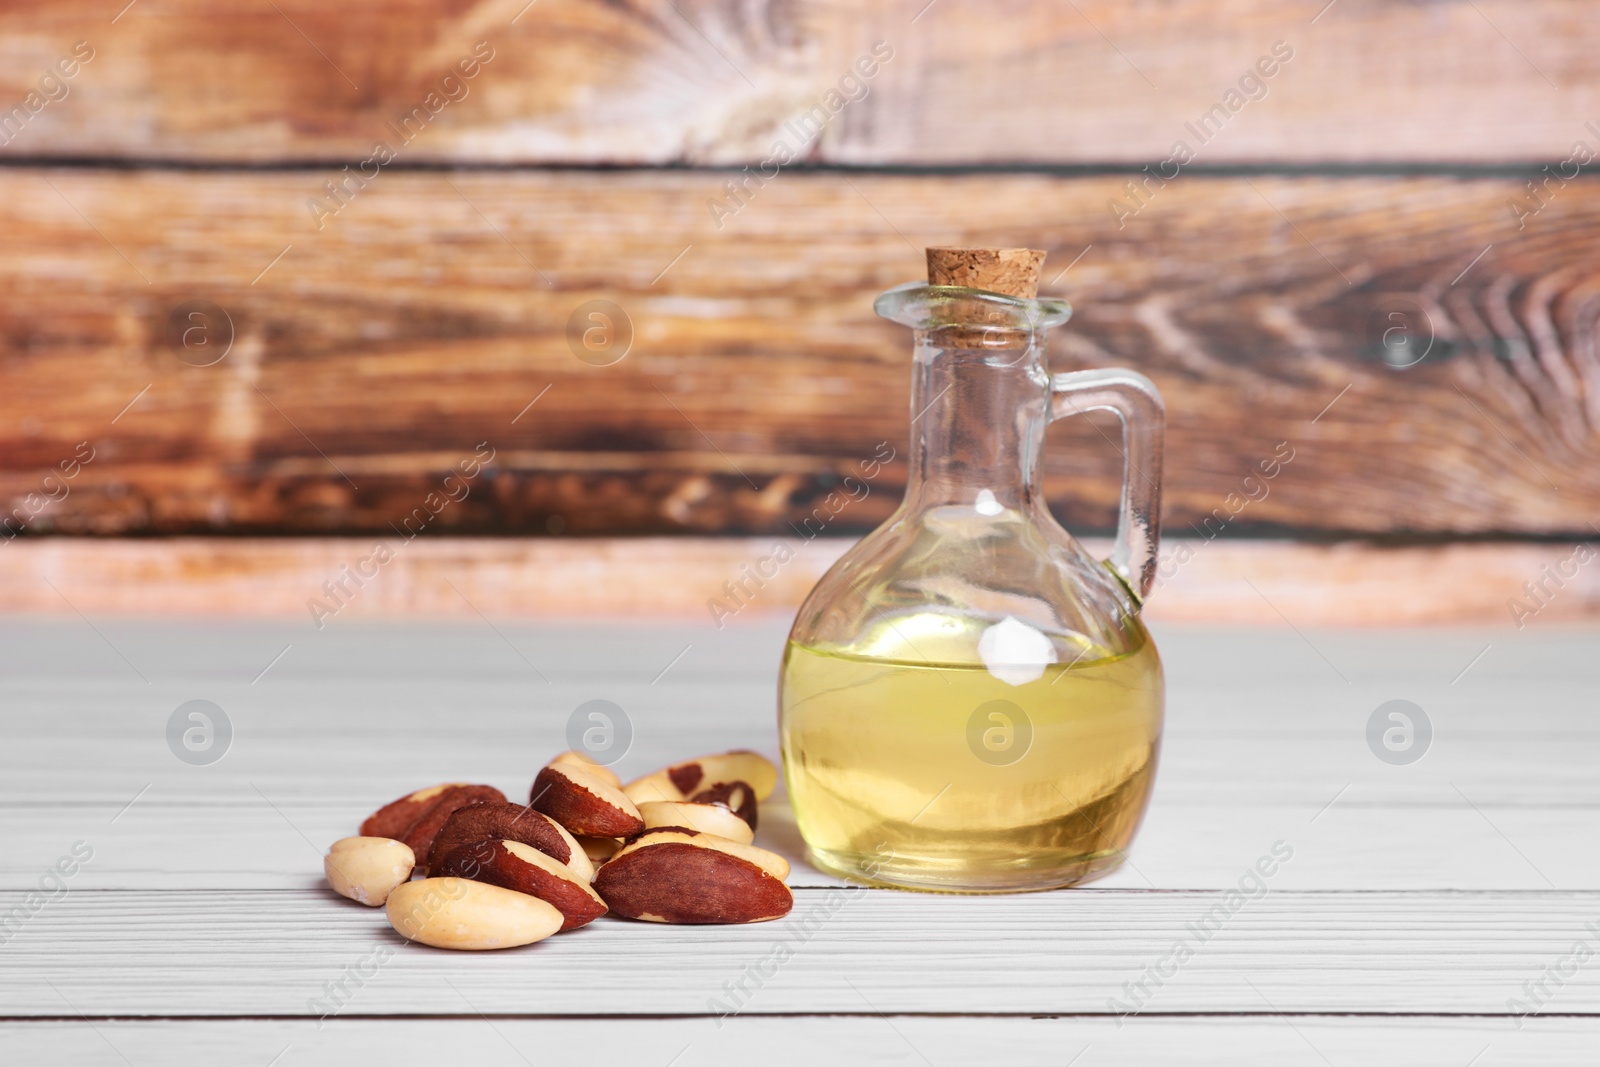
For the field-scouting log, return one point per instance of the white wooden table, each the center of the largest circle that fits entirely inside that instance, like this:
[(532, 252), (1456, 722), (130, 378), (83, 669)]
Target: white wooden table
[(1419, 899)]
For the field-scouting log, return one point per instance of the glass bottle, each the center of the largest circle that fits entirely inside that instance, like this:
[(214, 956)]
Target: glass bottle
[(969, 701)]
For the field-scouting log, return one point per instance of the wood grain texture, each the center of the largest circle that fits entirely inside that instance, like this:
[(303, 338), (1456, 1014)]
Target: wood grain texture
[(864, 1039), (373, 356), (1512, 753), (1437, 888), (136, 953), (711, 81), (1256, 582), (1371, 840)]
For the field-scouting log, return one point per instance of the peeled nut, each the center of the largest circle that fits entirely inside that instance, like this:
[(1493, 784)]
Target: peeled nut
[(584, 762), (583, 803), (683, 780), (670, 876), (514, 865), (491, 822), (366, 869), (706, 818), (462, 914), (599, 849), (737, 797)]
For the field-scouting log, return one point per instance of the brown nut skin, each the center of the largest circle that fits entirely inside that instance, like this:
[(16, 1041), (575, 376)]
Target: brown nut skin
[(768, 861), (690, 882), (514, 822), (737, 797), (683, 780), (514, 865), (583, 803), (422, 832), (396, 817)]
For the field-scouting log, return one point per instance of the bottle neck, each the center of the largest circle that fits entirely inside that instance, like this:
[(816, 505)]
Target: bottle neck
[(977, 422)]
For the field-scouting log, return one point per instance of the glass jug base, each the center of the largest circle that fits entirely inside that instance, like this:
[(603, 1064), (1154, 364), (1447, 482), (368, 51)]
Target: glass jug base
[(1034, 874)]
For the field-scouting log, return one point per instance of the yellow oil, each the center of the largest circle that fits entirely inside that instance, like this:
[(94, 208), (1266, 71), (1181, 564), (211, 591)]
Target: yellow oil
[(904, 770)]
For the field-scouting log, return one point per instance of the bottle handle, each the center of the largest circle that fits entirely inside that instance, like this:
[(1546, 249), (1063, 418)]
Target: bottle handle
[(1135, 400)]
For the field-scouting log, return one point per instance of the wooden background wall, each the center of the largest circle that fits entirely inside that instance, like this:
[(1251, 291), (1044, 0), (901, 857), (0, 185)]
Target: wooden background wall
[(1366, 204)]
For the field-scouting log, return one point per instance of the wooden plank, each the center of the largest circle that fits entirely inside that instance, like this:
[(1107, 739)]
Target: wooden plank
[(456, 578), (138, 953), (1159, 1042), (371, 359), (227, 838), (1397, 899), (1496, 803), (580, 81)]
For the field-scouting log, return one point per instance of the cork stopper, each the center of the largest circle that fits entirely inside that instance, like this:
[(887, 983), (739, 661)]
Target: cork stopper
[(1007, 271)]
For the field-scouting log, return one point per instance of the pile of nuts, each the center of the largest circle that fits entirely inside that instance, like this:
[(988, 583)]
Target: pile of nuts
[(671, 847)]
